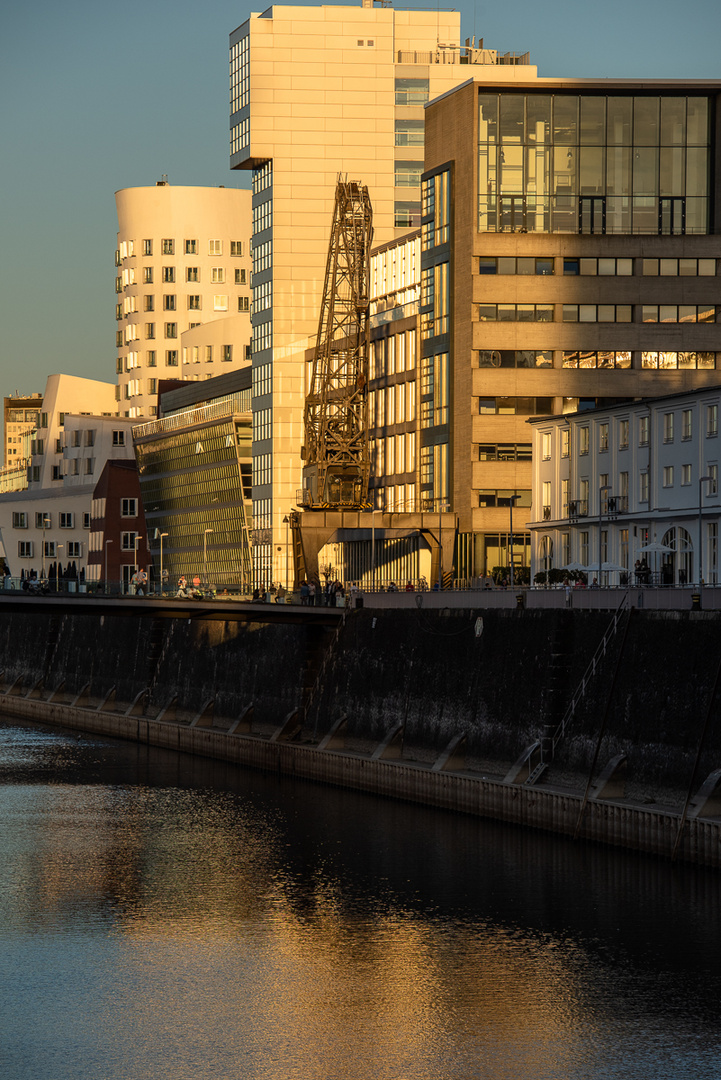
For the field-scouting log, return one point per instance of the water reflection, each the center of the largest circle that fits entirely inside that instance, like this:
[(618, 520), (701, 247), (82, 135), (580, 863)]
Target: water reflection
[(166, 918)]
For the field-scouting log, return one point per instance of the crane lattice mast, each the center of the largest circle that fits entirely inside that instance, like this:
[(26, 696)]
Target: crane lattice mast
[(336, 451)]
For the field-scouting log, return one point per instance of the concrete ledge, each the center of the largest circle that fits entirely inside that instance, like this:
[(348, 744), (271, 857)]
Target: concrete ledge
[(618, 824)]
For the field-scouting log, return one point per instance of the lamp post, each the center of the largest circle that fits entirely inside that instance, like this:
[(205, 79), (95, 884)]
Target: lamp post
[(159, 535), (105, 580), (601, 490), (511, 501), (373, 549), (57, 566), (286, 522), (136, 541), (46, 525), (701, 480), (205, 555)]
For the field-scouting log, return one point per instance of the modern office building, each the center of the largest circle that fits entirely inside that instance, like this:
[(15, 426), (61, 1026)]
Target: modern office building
[(21, 415), (318, 91), (194, 465), (182, 288), (613, 487), (77, 432), (570, 259)]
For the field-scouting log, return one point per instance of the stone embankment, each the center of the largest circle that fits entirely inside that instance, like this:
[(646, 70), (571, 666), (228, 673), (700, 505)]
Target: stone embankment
[(443, 707)]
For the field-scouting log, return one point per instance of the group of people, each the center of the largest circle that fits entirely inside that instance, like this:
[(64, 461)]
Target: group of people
[(194, 591), (314, 594), (642, 572)]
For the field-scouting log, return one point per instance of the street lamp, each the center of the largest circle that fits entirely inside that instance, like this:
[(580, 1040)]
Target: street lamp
[(205, 556), (136, 541), (159, 536), (105, 581), (57, 566), (601, 490), (701, 480), (286, 522), (511, 501)]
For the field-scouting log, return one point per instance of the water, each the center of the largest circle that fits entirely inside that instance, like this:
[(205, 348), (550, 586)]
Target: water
[(168, 919)]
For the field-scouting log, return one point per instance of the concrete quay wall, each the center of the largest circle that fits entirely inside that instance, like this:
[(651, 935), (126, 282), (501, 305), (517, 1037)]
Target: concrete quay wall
[(695, 840)]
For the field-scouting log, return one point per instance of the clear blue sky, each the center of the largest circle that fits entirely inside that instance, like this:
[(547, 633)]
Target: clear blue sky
[(99, 96)]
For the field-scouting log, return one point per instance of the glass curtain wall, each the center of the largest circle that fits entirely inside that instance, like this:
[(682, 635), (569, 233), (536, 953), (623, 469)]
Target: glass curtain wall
[(593, 163)]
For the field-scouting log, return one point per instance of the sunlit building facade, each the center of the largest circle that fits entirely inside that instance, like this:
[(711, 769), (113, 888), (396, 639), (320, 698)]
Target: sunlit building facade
[(182, 288), (571, 259), (318, 91)]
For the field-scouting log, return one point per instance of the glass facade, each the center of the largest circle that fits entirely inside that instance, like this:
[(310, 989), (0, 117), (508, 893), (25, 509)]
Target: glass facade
[(593, 163), (195, 475)]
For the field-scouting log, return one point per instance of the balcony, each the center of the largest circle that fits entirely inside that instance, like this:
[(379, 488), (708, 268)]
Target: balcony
[(546, 513), (578, 508)]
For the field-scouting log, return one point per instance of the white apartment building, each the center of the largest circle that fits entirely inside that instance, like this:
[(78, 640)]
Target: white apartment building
[(318, 91), (78, 431), (183, 288), (609, 483)]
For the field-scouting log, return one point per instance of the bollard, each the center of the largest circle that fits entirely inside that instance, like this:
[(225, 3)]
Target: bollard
[(519, 600), (695, 601)]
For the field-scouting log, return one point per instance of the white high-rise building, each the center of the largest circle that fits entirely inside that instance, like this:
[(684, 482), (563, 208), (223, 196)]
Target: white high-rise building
[(182, 288), (318, 91)]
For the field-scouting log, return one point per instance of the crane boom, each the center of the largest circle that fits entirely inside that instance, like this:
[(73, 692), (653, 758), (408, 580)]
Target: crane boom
[(336, 451)]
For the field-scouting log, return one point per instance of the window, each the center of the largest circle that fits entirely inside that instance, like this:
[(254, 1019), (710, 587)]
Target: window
[(149, 331), (171, 357), (147, 247), (546, 503), (643, 431), (149, 303), (565, 442), (712, 472), (168, 247), (118, 438), (67, 521), (546, 445), (191, 247), (603, 437), (236, 247), (192, 273), (169, 273), (86, 521), (583, 547), (711, 421), (227, 353), (217, 275), (583, 442), (240, 277), (409, 132), (220, 302), (668, 427), (25, 549), (43, 520), (515, 312), (171, 330), (685, 475), (127, 541), (128, 507), (215, 247), (147, 275), (75, 549), (169, 303), (511, 265), (150, 358), (50, 549), (643, 487), (668, 476), (623, 435), (243, 304), (686, 424), (20, 521)]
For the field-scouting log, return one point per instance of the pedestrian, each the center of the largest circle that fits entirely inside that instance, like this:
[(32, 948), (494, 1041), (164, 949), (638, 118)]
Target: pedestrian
[(311, 594), (304, 593), (409, 586)]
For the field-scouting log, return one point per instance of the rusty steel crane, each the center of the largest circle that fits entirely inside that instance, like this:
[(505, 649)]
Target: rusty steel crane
[(336, 452)]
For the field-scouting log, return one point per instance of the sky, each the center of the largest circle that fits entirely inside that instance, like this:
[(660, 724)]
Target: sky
[(98, 96)]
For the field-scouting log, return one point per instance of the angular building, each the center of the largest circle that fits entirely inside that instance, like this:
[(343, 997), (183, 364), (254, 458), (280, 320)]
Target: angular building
[(182, 288), (570, 259), (318, 91)]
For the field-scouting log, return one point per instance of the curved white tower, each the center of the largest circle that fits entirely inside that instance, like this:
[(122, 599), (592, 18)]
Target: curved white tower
[(183, 263)]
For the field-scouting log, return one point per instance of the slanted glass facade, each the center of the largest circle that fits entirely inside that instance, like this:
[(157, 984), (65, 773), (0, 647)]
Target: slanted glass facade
[(593, 163)]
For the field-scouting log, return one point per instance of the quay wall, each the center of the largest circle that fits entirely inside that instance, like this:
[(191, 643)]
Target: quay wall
[(493, 678)]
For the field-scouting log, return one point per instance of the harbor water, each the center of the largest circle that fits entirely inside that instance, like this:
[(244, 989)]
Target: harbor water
[(165, 918)]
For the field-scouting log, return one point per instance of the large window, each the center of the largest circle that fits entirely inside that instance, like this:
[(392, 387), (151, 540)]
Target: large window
[(593, 163)]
